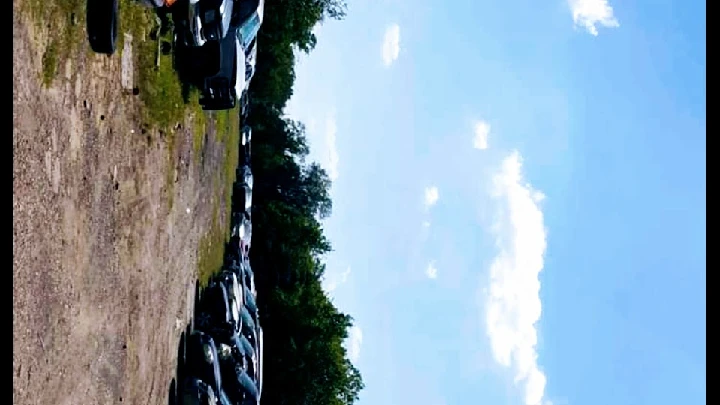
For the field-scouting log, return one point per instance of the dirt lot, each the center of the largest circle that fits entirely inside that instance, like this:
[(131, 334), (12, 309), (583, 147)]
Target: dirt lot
[(111, 221)]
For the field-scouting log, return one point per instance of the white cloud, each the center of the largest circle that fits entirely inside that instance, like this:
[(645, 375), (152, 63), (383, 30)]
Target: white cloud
[(332, 281), (391, 45), (431, 196), (426, 224), (431, 271), (589, 13), (513, 304), (332, 159), (482, 130), (354, 343)]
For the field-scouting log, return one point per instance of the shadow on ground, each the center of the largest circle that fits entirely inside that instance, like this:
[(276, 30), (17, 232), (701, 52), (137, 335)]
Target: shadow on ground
[(177, 382)]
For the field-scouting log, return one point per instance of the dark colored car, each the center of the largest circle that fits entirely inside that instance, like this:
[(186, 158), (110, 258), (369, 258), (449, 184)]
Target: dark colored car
[(200, 22), (241, 268), (246, 276), (243, 187), (218, 316), (222, 88), (235, 291), (251, 304), (238, 365), (250, 327), (197, 392), (204, 364)]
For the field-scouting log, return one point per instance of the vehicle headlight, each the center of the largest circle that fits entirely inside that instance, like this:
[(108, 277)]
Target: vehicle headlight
[(207, 351), (225, 351)]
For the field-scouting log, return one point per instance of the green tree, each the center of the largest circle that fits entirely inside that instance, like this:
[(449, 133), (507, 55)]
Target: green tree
[(305, 357)]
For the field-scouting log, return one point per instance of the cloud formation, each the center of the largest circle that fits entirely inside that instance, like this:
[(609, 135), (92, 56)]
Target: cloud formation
[(431, 271), (482, 130), (589, 13), (332, 281), (431, 196), (513, 304), (391, 45), (354, 343), (332, 159)]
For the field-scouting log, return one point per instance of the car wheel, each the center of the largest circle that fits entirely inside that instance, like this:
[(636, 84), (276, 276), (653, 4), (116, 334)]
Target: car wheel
[(102, 25)]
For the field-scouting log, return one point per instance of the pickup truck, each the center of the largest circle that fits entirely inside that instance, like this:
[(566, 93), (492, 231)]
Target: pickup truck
[(223, 65)]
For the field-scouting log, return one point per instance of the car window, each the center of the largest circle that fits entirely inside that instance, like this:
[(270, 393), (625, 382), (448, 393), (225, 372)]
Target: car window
[(249, 29)]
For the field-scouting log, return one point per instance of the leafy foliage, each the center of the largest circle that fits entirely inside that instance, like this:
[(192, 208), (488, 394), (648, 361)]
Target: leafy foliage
[(305, 359)]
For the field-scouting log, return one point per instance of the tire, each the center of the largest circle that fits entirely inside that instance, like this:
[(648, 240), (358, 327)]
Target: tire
[(102, 25)]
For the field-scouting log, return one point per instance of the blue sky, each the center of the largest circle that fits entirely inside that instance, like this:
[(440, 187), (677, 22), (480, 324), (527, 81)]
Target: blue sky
[(519, 198)]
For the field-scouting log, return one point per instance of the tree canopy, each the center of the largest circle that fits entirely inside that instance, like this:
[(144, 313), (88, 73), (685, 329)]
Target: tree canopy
[(305, 358)]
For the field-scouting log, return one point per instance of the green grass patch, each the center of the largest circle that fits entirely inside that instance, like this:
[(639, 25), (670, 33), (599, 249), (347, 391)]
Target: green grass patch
[(159, 84), (212, 244), (50, 63), (200, 121), (62, 20), (211, 250), (232, 140)]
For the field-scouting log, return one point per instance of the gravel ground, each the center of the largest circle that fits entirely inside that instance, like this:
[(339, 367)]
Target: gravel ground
[(103, 263)]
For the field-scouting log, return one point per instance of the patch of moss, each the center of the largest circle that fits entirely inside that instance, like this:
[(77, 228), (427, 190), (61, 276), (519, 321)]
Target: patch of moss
[(63, 21), (212, 246)]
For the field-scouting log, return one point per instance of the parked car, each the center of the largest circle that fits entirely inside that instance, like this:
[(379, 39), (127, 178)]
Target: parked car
[(250, 328), (241, 233), (220, 64), (251, 305), (249, 340), (244, 186), (245, 138), (218, 316), (203, 22), (248, 277), (238, 365), (221, 87), (197, 392), (235, 291), (204, 365)]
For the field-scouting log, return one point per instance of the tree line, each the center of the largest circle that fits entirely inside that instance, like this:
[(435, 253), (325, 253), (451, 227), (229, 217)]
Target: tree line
[(305, 360)]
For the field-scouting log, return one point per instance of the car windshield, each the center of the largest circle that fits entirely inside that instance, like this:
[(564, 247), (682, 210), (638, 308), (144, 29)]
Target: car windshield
[(248, 30)]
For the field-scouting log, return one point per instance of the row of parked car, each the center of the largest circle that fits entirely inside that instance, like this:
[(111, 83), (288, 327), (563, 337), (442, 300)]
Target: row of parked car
[(224, 352), (215, 43)]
